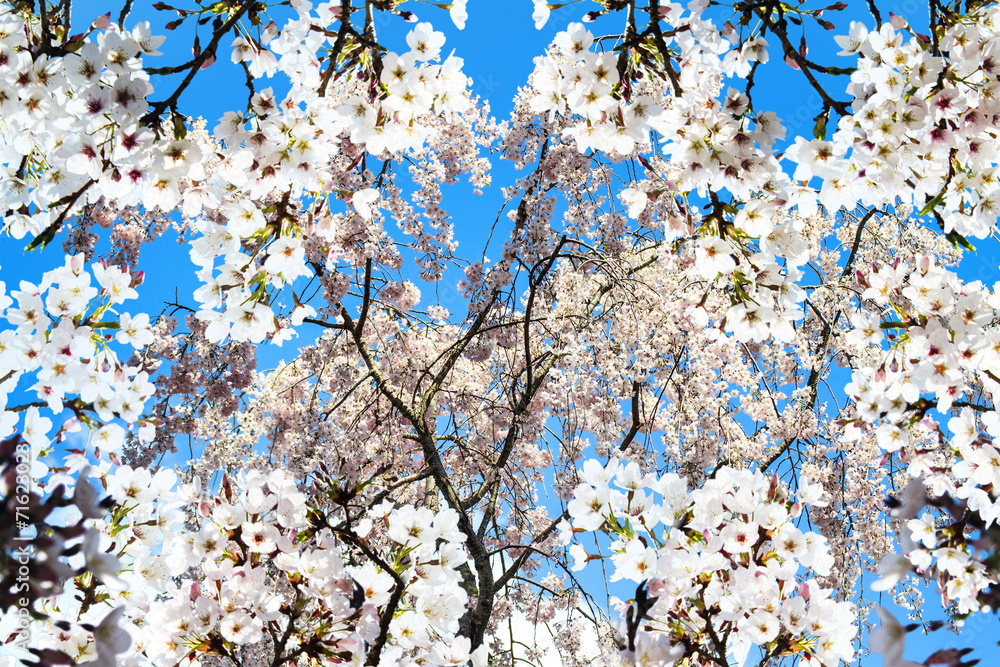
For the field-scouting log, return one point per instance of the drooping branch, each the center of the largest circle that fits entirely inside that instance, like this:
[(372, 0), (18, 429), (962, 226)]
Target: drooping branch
[(848, 267), (338, 45), (513, 431), (476, 625), (778, 29), (123, 14), (634, 429), (521, 559), (453, 354), (653, 9), (152, 116)]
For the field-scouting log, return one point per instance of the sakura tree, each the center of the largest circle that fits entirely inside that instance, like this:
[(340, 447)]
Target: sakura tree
[(717, 375)]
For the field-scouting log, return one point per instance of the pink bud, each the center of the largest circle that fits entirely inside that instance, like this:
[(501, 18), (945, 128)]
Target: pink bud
[(102, 22), (348, 644), (656, 587), (897, 21), (208, 62)]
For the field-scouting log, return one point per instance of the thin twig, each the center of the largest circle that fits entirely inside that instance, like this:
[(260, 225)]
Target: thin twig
[(195, 65), (126, 10)]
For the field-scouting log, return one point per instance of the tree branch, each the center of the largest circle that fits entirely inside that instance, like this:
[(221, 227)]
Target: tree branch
[(195, 65)]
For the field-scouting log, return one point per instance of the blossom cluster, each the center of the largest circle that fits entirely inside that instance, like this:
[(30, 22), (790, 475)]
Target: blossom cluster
[(59, 333), (224, 183), (707, 135), (732, 545), (262, 245), (46, 542), (425, 627), (767, 297), (922, 125), (198, 574), (588, 85), (944, 346), (76, 130), (394, 116), (72, 124), (712, 141)]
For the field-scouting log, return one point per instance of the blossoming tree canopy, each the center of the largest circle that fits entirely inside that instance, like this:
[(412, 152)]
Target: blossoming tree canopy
[(718, 373)]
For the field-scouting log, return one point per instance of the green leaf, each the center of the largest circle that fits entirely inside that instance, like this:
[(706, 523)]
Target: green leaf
[(839, 70), (180, 130), (932, 204), (89, 421), (959, 241), (893, 325), (44, 238), (819, 130)]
